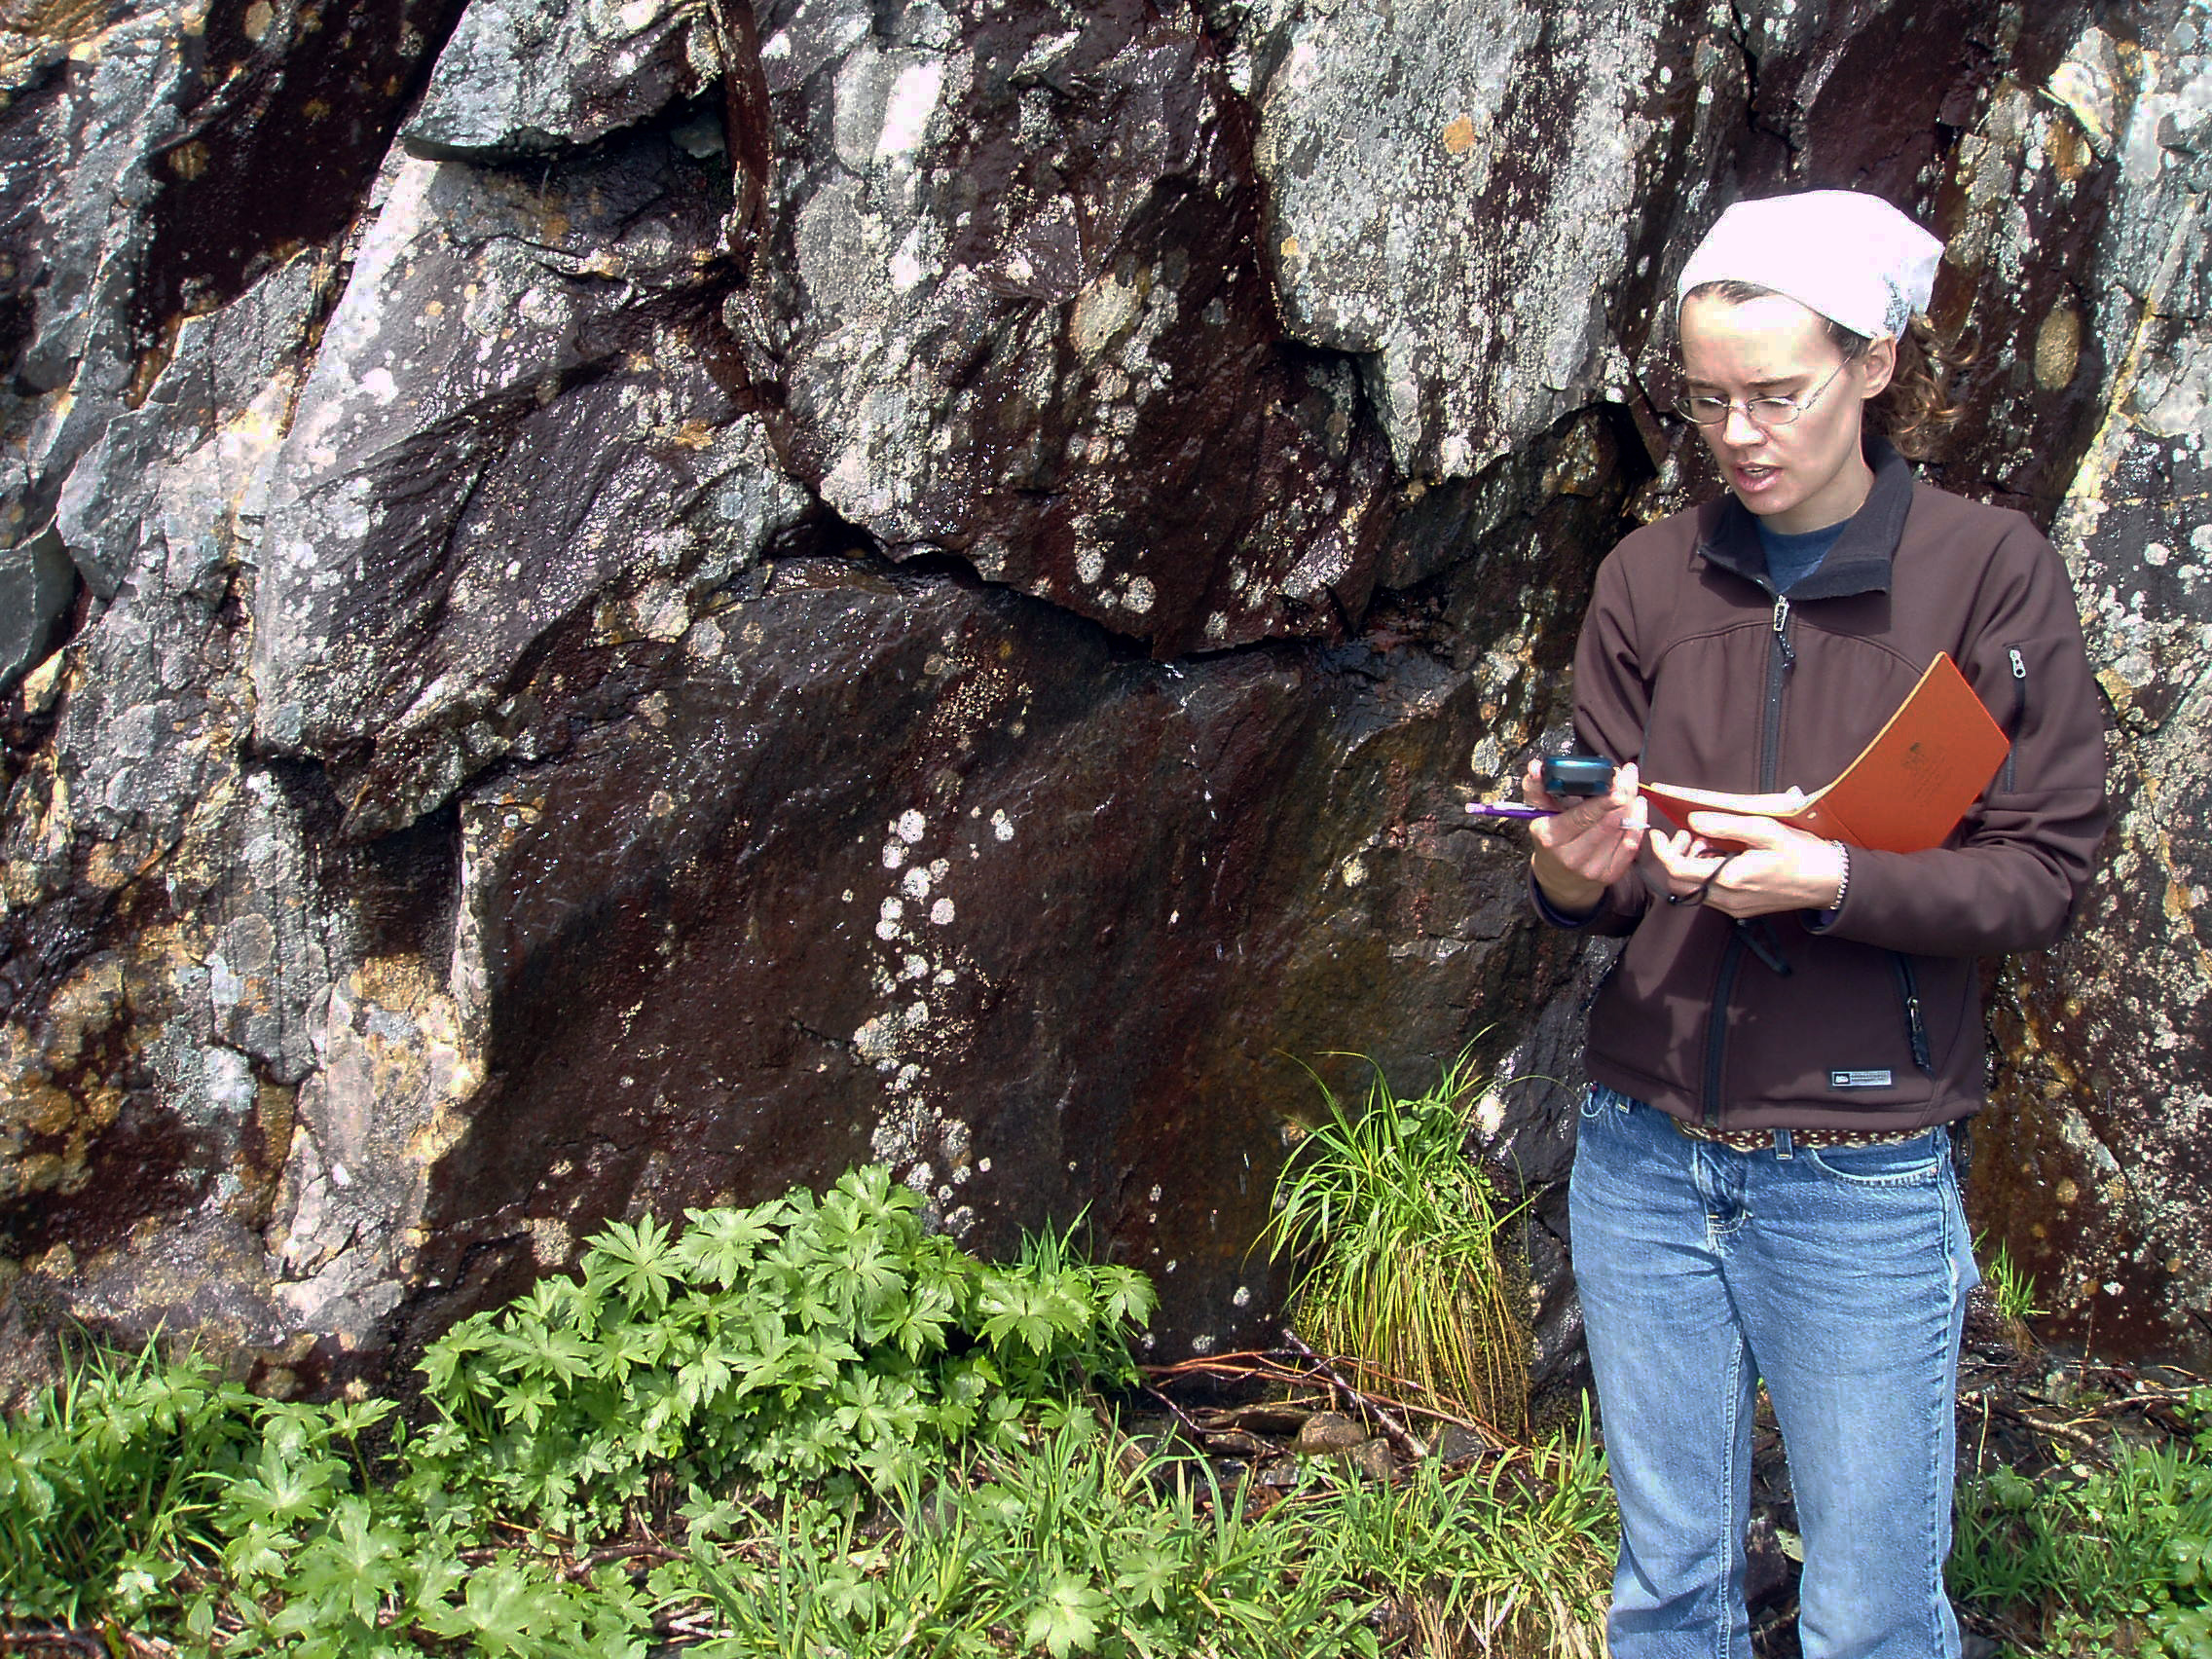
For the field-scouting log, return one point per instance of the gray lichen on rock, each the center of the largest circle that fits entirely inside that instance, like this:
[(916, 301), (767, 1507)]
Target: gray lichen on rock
[(525, 77)]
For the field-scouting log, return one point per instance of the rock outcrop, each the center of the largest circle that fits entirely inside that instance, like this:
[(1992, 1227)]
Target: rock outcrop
[(612, 607)]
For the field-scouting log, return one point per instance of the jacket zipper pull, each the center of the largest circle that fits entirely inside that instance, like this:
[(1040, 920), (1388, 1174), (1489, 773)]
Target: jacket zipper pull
[(1781, 632), (1915, 1028), (1917, 1032), (2008, 775)]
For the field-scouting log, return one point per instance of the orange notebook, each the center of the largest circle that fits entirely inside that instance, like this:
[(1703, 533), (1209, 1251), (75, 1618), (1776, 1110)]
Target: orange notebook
[(1908, 790)]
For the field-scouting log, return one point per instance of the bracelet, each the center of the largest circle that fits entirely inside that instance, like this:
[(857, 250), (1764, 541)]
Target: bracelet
[(1843, 885)]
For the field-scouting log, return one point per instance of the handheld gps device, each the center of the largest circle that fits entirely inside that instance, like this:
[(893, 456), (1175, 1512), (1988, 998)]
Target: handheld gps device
[(1581, 775)]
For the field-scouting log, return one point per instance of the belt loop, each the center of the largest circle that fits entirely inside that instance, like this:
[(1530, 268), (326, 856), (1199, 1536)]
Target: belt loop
[(1782, 1144)]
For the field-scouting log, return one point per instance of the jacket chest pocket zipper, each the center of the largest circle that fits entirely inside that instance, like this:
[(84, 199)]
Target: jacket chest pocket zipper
[(1915, 1028), (2009, 771)]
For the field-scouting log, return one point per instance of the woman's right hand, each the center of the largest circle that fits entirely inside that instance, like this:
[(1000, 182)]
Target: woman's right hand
[(1586, 845)]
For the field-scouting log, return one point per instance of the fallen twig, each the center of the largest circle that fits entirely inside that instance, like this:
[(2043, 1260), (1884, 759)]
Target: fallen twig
[(1400, 1435), (52, 1641), (693, 1627), (1261, 1364), (575, 1572), (2136, 1401), (2043, 1425), (1190, 1425), (1205, 1362)]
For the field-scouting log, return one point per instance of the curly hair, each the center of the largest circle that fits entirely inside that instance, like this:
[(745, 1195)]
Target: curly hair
[(1914, 410)]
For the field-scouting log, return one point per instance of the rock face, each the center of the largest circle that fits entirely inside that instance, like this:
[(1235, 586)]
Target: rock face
[(2100, 1154), (609, 608)]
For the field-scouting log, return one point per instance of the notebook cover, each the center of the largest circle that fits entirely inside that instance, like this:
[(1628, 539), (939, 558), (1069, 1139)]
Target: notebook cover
[(1908, 790)]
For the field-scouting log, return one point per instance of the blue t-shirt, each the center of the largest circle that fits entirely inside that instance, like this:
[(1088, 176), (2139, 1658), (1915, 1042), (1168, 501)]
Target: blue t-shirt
[(1791, 559)]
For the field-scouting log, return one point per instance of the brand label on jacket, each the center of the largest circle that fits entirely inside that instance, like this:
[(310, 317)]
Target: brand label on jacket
[(1860, 1079)]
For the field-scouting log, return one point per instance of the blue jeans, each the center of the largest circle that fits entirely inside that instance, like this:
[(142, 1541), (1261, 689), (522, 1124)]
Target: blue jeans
[(1839, 1277)]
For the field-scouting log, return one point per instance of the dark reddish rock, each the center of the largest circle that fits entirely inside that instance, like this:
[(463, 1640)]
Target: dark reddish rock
[(892, 866)]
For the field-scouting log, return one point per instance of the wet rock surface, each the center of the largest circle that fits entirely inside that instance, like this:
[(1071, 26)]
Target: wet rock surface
[(930, 582)]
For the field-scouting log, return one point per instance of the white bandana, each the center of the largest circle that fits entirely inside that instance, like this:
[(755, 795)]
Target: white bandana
[(1851, 257)]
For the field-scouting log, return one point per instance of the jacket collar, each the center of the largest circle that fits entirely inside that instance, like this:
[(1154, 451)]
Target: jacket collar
[(1728, 536)]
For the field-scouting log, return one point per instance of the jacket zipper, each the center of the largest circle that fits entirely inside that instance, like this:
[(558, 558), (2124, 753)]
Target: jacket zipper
[(1908, 992), (1716, 1023), (2019, 717), (1780, 659)]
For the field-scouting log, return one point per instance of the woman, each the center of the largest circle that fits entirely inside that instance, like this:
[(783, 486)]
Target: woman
[(1763, 1185)]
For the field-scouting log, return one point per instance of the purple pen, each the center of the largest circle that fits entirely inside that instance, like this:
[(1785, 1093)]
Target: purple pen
[(1500, 809)]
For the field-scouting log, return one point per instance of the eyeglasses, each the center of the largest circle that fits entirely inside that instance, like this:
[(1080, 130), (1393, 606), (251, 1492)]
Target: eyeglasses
[(1760, 412)]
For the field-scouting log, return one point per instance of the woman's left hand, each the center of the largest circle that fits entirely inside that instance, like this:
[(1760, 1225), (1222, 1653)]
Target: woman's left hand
[(1777, 869)]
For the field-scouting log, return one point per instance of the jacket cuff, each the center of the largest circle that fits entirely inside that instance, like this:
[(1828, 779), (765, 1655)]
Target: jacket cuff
[(1555, 916)]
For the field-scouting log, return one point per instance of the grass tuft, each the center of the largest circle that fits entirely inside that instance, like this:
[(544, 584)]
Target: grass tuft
[(1514, 1557), (1395, 1235)]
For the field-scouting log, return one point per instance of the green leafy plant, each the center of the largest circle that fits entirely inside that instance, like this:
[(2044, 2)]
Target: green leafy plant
[(1053, 1546), (779, 1344), (832, 1344), (2098, 1560), (806, 1429), (1394, 1234), (107, 1483)]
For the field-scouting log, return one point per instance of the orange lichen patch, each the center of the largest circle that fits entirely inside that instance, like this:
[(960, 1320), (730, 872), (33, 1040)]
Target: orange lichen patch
[(115, 864), (435, 1065), (1459, 134), (34, 31), (36, 35), (43, 830), (2068, 150), (61, 20), (2058, 347), (264, 1149), (58, 1086)]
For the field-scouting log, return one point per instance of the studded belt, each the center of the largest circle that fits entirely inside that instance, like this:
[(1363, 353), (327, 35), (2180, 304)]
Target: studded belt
[(1758, 1140)]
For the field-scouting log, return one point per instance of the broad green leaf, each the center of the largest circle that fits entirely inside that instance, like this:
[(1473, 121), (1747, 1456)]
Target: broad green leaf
[(1066, 1619), (636, 1260)]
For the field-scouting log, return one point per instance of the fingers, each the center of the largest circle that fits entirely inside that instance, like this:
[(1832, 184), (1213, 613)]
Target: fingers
[(1744, 829), (1780, 867), (1681, 855), (1592, 830), (1587, 845), (1533, 786), (1750, 867)]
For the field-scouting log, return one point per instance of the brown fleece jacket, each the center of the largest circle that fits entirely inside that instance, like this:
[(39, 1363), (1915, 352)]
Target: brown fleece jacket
[(1690, 665)]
